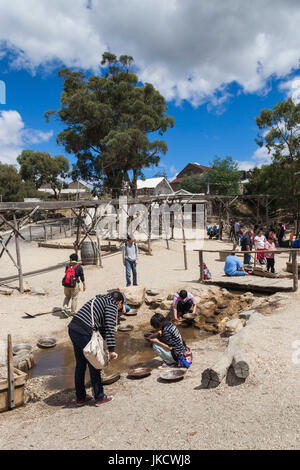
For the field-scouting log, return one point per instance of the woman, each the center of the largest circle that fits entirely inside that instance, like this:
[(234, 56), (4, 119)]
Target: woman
[(105, 310), (259, 242), (182, 303), (167, 341)]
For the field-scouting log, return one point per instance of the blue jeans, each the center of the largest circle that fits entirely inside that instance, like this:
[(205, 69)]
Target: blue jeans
[(127, 308), (237, 273), (130, 265), (247, 258), (79, 342), (165, 354)]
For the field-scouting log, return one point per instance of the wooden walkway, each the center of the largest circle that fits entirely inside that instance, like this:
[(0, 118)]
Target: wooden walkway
[(253, 283)]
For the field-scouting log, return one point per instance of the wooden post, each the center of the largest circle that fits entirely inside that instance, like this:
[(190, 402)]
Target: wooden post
[(10, 374), (18, 253), (45, 232), (60, 227), (99, 250), (201, 266), (70, 226), (295, 271), (78, 232), (30, 233), (51, 232)]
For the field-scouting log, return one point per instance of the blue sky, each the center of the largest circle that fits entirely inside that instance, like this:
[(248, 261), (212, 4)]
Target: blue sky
[(214, 99)]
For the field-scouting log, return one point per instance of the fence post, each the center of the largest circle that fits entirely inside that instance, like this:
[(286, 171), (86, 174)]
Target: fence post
[(201, 266), (295, 271)]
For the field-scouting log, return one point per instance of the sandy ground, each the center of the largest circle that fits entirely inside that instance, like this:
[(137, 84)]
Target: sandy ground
[(262, 413)]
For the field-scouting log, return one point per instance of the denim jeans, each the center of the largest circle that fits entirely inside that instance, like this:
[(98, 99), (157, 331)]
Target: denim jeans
[(184, 307), (130, 265), (247, 258), (165, 354), (79, 342), (237, 273)]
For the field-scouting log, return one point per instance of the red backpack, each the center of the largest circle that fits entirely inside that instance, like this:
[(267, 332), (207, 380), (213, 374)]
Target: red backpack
[(69, 279)]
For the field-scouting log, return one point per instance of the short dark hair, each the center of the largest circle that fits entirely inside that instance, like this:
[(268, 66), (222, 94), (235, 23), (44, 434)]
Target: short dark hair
[(74, 257), (157, 320), (117, 296), (183, 294)]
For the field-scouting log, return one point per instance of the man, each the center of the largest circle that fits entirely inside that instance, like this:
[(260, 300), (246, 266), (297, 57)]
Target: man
[(233, 266), (80, 331), (280, 234), (246, 245), (182, 303), (71, 280), (130, 258)]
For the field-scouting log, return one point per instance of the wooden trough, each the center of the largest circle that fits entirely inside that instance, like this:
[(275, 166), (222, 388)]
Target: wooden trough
[(19, 383), (289, 267)]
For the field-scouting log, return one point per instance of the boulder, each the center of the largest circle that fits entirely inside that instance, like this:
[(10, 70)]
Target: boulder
[(246, 314), (166, 305), (153, 291), (211, 320), (135, 295), (233, 326)]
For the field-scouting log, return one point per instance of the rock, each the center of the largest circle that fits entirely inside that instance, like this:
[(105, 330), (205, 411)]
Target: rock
[(246, 314), (152, 291), (170, 297), (217, 312), (233, 326), (207, 305), (135, 295), (211, 329), (166, 305), (27, 286), (38, 291), (223, 305), (211, 320), (6, 291)]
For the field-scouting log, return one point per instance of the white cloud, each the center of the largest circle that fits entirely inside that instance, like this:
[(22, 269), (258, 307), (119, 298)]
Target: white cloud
[(260, 157), (14, 136), (188, 49), (292, 88)]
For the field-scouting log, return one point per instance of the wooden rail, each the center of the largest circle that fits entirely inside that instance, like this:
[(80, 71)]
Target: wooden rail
[(292, 251)]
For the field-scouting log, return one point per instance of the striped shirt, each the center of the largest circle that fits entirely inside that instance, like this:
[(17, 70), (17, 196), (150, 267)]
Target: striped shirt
[(172, 337), (105, 318)]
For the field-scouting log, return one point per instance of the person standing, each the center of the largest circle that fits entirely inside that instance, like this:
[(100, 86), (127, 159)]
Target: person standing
[(280, 234), (246, 245), (71, 280), (270, 257), (221, 226), (182, 303), (130, 259), (259, 242), (105, 308)]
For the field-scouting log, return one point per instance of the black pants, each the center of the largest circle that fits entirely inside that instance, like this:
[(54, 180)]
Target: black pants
[(184, 307), (270, 264)]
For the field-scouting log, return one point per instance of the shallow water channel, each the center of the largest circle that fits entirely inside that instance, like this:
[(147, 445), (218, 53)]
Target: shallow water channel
[(132, 348)]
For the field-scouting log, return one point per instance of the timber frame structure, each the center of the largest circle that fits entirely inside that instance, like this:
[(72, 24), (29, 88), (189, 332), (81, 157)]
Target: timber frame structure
[(9, 211)]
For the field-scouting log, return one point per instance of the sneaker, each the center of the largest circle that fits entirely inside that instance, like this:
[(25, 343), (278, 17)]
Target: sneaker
[(84, 401), (105, 399), (64, 313)]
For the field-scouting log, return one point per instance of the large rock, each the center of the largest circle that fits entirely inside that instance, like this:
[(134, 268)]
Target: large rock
[(166, 305), (153, 291), (135, 295), (233, 326)]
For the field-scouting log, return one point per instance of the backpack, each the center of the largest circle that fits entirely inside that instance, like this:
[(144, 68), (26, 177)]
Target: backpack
[(69, 279)]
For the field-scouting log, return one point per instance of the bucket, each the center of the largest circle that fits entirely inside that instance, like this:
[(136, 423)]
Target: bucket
[(88, 253)]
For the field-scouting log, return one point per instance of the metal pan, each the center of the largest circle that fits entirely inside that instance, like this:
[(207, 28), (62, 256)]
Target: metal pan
[(139, 372), (172, 374), (46, 342), (125, 328), (110, 379)]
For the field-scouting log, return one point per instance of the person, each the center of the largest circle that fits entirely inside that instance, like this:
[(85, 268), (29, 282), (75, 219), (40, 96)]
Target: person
[(167, 341), (71, 280), (270, 257), (237, 230), (130, 259), (296, 243), (270, 232), (221, 227), (182, 303), (259, 242), (231, 232), (80, 331), (280, 234), (233, 266), (246, 245)]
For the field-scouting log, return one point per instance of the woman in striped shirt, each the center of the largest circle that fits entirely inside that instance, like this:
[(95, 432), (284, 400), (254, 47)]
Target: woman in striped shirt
[(167, 340), (80, 331)]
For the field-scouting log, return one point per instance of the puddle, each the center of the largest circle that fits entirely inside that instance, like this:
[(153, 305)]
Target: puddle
[(132, 350)]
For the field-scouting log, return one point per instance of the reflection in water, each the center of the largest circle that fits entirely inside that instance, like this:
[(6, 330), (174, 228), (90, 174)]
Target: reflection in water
[(132, 350)]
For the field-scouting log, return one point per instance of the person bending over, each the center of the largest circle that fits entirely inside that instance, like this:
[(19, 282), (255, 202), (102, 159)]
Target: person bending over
[(167, 341), (182, 303)]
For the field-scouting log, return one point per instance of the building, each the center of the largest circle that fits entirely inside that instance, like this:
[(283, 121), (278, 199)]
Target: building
[(76, 187), (189, 171), (153, 187)]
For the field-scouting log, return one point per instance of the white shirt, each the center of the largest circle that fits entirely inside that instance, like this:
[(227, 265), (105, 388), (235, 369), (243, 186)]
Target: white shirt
[(260, 241)]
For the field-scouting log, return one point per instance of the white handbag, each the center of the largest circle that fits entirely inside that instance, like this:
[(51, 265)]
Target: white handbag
[(96, 351)]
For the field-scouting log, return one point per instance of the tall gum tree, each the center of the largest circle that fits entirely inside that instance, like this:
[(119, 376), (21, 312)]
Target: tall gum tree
[(108, 121)]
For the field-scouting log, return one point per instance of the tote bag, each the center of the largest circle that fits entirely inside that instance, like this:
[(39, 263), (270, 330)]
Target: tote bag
[(96, 351)]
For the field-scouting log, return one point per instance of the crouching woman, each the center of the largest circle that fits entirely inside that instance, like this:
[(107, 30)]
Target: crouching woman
[(168, 343)]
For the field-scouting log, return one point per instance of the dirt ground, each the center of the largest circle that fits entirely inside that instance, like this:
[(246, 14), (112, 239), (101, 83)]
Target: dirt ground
[(262, 413)]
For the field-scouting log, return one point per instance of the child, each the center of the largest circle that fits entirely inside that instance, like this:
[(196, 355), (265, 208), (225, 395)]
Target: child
[(270, 245)]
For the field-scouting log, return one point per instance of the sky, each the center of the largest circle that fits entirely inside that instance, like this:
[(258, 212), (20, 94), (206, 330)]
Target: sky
[(217, 63)]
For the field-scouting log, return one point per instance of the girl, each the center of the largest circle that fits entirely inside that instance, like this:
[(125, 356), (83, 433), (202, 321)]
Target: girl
[(259, 242)]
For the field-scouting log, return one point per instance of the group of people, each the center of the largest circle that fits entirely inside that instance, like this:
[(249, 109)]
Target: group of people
[(214, 231), (166, 339)]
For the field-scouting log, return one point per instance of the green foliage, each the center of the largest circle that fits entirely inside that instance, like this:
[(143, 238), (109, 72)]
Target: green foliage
[(223, 178), (40, 168), (281, 136), (108, 120), (12, 188)]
